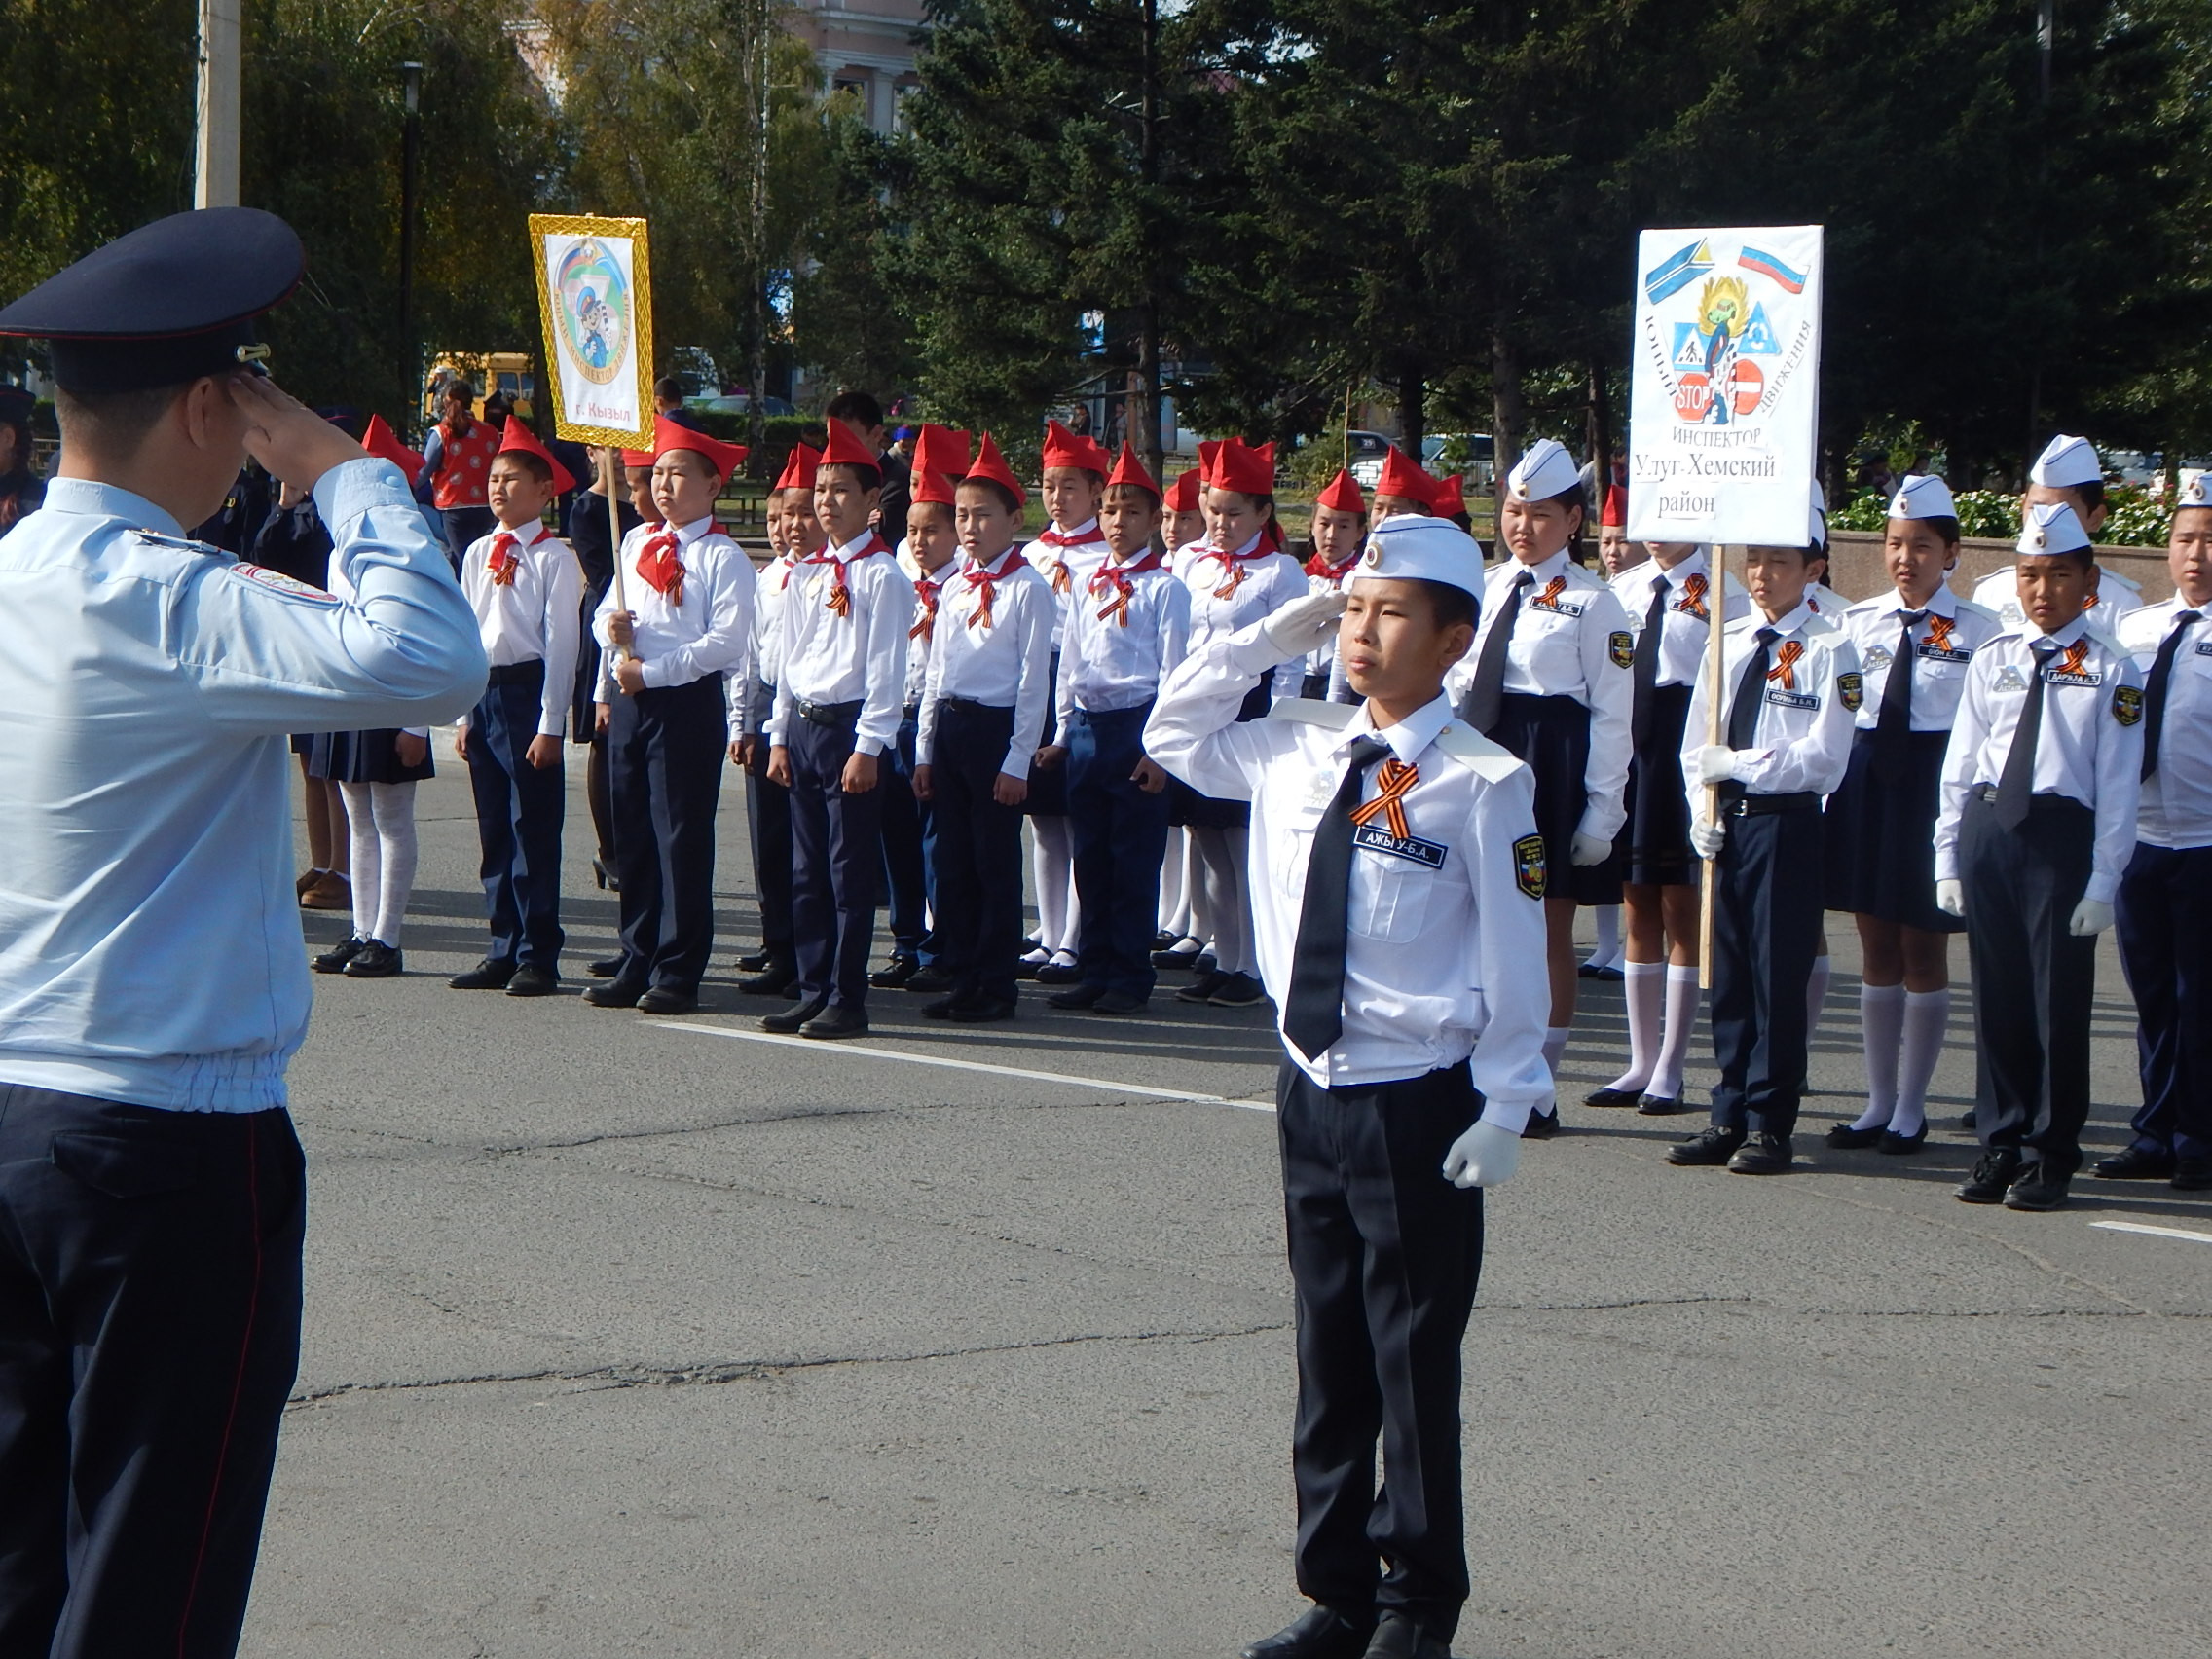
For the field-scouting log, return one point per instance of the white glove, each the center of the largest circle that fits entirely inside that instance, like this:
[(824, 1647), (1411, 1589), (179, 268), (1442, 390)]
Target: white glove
[(1951, 898), (1483, 1156), (1707, 837), (2090, 916), (1305, 625), (1589, 850), (1716, 764)]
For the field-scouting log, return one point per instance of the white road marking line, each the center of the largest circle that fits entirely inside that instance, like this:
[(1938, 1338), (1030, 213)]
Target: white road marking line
[(970, 1066), (2155, 1232)]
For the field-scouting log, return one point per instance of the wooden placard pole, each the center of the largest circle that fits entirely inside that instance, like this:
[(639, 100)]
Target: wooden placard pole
[(1716, 702), (609, 456)]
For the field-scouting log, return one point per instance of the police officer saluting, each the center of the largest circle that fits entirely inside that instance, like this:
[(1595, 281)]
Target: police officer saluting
[(152, 980)]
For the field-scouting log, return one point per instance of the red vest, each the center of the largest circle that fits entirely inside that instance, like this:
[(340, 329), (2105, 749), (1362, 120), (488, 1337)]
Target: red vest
[(467, 466)]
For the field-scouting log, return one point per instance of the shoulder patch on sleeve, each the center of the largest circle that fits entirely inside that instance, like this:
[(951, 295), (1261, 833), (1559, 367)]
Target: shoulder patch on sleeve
[(1491, 762), (1528, 872), (2127, 704), (1620, 645), (1852, 688), (279, 582)]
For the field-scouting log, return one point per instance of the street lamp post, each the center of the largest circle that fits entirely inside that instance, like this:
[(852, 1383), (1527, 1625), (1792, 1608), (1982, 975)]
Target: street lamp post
[(410, 153)]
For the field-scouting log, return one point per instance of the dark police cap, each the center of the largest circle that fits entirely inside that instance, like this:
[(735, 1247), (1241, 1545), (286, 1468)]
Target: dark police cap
[(174, 300)]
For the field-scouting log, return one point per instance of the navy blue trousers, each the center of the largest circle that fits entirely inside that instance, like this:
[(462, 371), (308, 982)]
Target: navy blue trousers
[(909, 850), (2165, 948), (666, 747), (519, 808), (1121, 838), (768, 818), (1766, 931), (979, 853), (836, 865), (149, 1334)]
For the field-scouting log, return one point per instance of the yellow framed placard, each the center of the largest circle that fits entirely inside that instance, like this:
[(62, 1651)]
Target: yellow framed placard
[(595, 297)]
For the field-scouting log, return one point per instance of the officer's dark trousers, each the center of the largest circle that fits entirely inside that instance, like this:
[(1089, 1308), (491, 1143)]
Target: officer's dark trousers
[(910, 836), (2032, 979), (1121, 838), (1383, 1257), (666, 746), (768, 817), (149, 1334), (837, 862), (979, 853), (1766, 931), (2165, 948), (519, 809)]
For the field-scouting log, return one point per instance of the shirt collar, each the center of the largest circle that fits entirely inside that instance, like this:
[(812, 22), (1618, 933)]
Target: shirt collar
[(1941, 602), (1555, 566), (2065, 636), (687, 534), (853, 549), (1086, 531), (1245, 552), (1675, 575), (1789, 622), (107, 500), (1409, 737), (1004, 562)]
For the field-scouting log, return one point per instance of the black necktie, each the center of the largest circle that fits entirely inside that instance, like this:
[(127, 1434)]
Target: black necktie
[(1646, 675), (1743, 709), (1313, 1013), (2155, 688), (1892, 724), (1484, 700), (2016, 784)]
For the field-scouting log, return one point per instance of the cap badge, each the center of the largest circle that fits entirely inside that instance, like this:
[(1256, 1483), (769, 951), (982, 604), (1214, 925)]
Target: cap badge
[(1373, 556), (2036, 538)]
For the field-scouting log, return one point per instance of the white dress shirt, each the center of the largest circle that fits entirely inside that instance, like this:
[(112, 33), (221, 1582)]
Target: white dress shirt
[(1114, 656), (708, 629), (1802, 742), (1005, 662), (1065, 559), (921, 632), (1441, 929), (1572, 639), (857, 656), (1682, 628), (2176, 806), (2116, 596), (533, 619), (2089, 747), (1943, 642), (1231, 591), (753, 695)]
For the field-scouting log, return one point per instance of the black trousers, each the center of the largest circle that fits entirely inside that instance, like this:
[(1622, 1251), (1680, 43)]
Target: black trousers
[(979, 853), (149, 1334), (836, 865), (1121, 838), (1766, 931), (768, 818), (2165, 948), (1384, 1254), (909, 838), (666, 746), (519, 809), (2033, 980)]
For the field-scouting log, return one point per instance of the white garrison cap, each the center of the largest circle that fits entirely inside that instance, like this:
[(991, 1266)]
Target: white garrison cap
[(1819, 498), (1413, 548), (2051, 528), (2197, 493), (1545, 469), (1923, 495), (2067, 462)]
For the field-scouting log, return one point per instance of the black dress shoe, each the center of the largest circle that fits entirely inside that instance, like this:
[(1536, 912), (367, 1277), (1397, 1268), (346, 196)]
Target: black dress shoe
[(1204, 963), (1660, 1106), (1321, 1633), (489, 974), (1236, 990), (754, 962), (1025, 969), (982, 1010), (1075, 996), (930, 981), (2137, 1164), (1201, 987), (1762, 1155), (1057, 973), (1966, 1118), (1993, 1173), (1710, 1145), (2191, 1175), (1542, 1125), (774, 981), (1606, 973), (1121, 1002), (942, 1007), (334, 960), (785, 1021), (1162, 939), (894, 972), (1612, 1097), (1844, 1138), (376, 960), (531, 980), (833, 1024), (2037, 1187), (1172, 960), (1396, 1637), (605, 967), (1895, 1145), (667, 999), (616, 993)]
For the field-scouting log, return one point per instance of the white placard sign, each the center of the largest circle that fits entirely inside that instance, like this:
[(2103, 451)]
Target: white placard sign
[(595, 297), (1725, 393)]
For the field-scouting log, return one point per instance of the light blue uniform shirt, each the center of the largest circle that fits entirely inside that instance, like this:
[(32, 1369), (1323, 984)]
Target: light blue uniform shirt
[(150, 946)]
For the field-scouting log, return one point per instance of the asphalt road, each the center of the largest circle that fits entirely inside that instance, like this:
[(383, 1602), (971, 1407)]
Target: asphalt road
[(629, 1336)]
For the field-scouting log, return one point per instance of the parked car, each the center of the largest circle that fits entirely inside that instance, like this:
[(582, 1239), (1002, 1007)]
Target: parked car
[(1367, 451), (1472, 455)]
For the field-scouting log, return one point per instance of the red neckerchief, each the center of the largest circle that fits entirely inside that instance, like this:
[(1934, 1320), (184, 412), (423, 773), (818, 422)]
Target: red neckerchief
[(985, 582), (659, 564), (504, 561), (925, 589), (840, 601), (1328, 572), (785, 564), (1055, 536), (1784, 666), (1235, 563), (1114, 577), (1394, 778), (1693, 597)]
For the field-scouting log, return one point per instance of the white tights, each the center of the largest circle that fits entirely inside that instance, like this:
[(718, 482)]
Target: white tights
[(1052, 866), (382, 818), (1218, 901)]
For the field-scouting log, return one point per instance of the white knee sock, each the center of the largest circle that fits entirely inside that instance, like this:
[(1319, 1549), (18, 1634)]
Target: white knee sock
[(1174, 910), (1218, 898), (1606, 952), (1881, 1015), (361, 835), (1645, 988), (1049, 867), (1816, 994), (1682, 994), (394, 808), (1927, 1018)]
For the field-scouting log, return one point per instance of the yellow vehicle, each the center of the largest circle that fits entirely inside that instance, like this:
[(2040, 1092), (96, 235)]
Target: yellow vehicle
[(511, 374)]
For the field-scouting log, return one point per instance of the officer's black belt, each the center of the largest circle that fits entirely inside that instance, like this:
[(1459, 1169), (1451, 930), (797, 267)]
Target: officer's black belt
[(828, 713), (914, 710), (1756, 806), (511, 673), (968, 706)]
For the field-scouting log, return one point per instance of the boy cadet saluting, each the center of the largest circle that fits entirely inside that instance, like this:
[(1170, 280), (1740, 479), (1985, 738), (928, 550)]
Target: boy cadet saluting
[(1398, 903)]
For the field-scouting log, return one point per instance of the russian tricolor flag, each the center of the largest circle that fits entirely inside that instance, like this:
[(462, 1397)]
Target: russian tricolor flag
[(1767, 265)]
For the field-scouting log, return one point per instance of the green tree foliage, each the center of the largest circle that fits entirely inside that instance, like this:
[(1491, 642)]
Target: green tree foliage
[(847, 317)]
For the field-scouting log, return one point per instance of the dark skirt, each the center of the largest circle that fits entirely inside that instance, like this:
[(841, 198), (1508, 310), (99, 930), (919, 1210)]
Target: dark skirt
[(1658, 829), (1552, 734), (363, 758), (1195, 811), (1047, 795), (1881, 836)]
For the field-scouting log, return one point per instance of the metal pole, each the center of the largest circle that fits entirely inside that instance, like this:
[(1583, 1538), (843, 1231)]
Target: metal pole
[(2047, 37), (409, 157), (215, 161)]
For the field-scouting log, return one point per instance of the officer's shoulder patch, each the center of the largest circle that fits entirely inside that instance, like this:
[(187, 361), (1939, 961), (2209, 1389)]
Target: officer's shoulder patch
[(1620, 645), (1313, 711), (1491, 761), (1528, 872), (2126, 703), (279, 582), (1852, 688)]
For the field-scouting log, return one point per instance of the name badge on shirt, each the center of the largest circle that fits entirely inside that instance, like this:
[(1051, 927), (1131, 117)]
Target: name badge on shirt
[(1378, 839), (1931, 652), (2072, 677), (1562, 605), (2204, 647), (1782, 699)]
